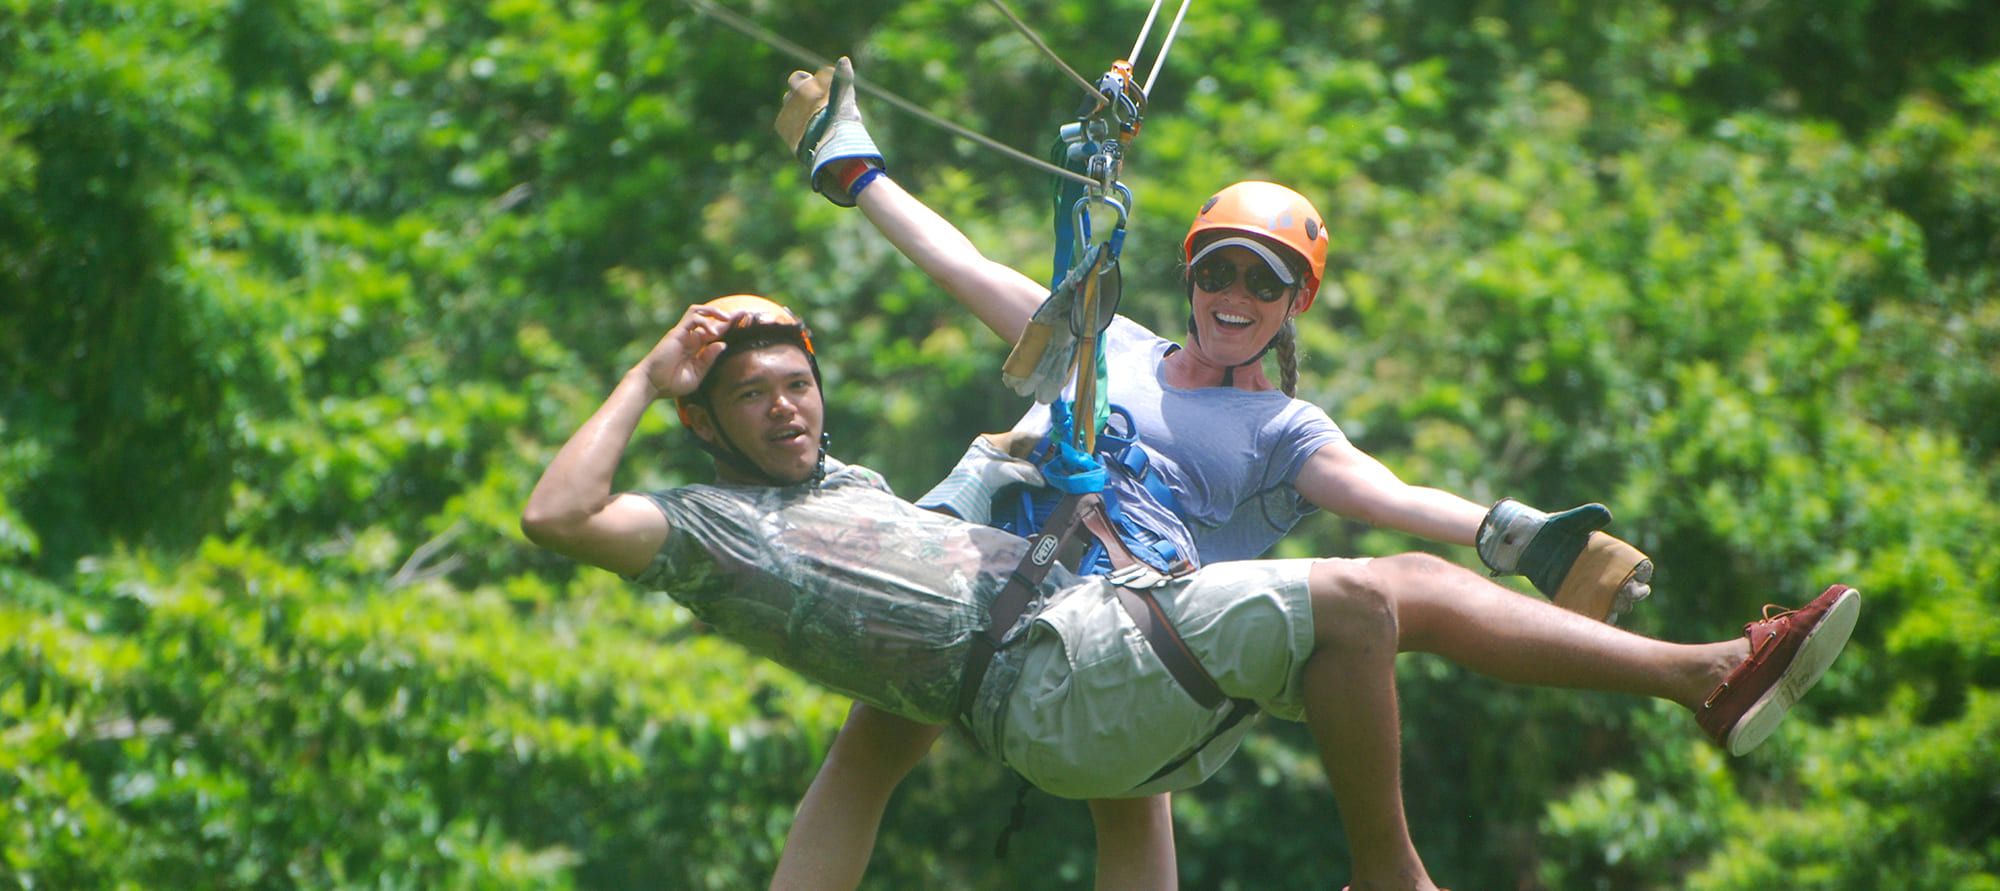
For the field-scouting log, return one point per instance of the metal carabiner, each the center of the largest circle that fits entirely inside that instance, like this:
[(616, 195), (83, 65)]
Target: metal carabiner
[(1080, 215)]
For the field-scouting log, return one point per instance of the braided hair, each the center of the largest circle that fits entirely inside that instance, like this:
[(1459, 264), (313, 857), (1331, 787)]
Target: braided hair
[(1287, 345)]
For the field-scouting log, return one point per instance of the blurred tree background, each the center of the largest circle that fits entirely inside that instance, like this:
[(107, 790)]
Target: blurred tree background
[(297, 298)]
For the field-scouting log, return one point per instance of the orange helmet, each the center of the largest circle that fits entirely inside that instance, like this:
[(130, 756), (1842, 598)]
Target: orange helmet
[(1271, 211), (760, 313), (762, 323)]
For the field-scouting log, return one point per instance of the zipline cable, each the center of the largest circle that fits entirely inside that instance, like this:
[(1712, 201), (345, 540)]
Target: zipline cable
[(1145, 29), (751, 30), (1160, 61), (1036, 39)]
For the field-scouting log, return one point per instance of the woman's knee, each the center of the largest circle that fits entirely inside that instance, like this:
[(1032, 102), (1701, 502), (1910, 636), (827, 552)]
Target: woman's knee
[(1354, 606)]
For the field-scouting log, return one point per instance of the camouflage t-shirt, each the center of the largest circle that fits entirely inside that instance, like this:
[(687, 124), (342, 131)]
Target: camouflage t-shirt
[(842, 582)]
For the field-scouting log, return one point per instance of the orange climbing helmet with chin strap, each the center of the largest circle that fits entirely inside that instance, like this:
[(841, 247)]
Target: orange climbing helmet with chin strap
[(1267, 211), (761, 323)]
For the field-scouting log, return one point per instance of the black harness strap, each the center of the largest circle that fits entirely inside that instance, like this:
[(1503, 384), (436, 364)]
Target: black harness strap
[(1238, 710), (1181, 663), (1006, 609)]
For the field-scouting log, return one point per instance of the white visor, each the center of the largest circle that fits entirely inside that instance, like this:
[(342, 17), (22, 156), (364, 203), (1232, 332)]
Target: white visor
[(1271, 257)]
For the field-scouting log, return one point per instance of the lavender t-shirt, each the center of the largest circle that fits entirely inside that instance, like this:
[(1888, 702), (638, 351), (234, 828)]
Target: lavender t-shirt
[(1229, 455)]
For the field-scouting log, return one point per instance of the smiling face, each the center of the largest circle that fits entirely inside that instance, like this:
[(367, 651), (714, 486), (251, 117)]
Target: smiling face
[(766, 405), (1231, 325)]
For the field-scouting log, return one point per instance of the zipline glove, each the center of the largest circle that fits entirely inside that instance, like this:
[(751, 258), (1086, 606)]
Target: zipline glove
[(1606, 580), (1566, 557), (990, 465), (821, 124)]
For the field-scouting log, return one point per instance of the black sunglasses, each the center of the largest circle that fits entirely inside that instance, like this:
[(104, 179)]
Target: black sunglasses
[(1215, 274)]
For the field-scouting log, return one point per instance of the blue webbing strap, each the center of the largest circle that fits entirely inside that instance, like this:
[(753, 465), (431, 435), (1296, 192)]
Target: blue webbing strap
[(1122, 449)]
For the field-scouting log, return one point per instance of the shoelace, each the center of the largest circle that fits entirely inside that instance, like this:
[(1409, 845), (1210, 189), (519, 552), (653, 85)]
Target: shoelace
[(1769, 617), (1756, 652)]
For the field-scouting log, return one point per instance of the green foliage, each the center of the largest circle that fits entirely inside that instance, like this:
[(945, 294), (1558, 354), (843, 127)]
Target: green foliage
[(242, 721), (297, 299), (109, 111)]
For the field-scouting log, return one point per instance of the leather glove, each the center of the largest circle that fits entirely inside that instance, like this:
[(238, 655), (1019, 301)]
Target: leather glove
[(1566, 557), (821, 124), (1608, 578), (987, 467), (1043, 359)]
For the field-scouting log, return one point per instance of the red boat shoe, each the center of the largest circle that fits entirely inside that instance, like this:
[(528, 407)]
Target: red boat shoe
[(1788, 653)]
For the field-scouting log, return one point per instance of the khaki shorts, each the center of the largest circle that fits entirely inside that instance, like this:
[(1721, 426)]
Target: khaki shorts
[(1082, 708)]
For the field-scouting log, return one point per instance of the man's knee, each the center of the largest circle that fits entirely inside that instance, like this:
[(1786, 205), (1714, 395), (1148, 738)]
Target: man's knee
[(885, 744)]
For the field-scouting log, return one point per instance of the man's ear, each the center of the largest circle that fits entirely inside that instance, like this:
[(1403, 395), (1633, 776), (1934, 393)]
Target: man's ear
[(697, 419)]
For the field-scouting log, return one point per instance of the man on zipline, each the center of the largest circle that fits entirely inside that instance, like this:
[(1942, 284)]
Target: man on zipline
[(816, 565)]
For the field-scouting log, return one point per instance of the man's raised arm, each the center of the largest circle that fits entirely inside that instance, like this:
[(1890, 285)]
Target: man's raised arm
[(572, 510)]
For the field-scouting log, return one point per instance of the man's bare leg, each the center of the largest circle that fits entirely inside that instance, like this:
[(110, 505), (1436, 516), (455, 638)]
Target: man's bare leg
[(834, 831), (1365, 611), (1135, 843), (1456, 613)]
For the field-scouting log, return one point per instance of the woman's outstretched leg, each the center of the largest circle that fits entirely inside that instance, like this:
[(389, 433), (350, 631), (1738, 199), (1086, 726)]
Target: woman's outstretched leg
[(1456, 613)]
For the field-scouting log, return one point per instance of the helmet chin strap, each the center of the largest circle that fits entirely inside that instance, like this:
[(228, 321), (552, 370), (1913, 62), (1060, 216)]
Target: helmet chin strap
[(1229, 371), (726, 451)]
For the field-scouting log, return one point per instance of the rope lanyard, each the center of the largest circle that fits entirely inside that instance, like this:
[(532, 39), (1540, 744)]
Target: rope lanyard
[(1090, 220)]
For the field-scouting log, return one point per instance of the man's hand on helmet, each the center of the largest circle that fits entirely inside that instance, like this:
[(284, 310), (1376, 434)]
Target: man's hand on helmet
[(676, 365)]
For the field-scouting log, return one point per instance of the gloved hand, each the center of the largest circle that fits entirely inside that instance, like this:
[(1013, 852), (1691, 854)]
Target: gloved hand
[(805, 98), (987, 467), (1567, 559), (821, 124)]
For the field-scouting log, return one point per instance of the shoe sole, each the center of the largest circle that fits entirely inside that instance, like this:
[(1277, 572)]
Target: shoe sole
[(1815, 655)]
